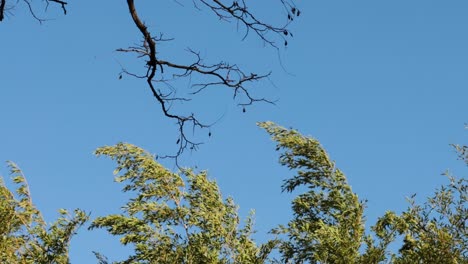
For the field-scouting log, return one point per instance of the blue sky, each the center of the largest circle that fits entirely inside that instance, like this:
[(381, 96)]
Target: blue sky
[(381, 84)]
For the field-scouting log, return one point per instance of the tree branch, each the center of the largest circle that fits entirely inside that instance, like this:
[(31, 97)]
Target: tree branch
[(218, 74), (29, 4), (62, 3), (2, 9), (238, 11)]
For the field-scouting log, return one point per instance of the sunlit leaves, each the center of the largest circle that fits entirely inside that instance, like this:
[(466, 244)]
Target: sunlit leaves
[(24, 236), (328, 219), (176, 217), (183, 218), (328, 222)]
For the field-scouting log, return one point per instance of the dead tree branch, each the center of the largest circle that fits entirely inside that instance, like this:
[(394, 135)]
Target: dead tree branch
[(206, 75), (2, 9), (217, 74), (152, 63), (238, 11), (29, 4)]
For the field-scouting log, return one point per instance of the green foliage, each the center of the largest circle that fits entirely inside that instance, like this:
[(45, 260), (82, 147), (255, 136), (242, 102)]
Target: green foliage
[(24, 236), (176, 217), (183, 218), (434, 232), (328, 222)]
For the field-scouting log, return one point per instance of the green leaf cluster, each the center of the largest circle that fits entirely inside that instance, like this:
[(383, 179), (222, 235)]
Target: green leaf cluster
[(328, 225), (24, 236), (176, 217), (181, 217)]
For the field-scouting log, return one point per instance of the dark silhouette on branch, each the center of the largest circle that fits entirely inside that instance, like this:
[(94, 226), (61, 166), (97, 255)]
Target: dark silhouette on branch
[(29, 4), (217, 74)]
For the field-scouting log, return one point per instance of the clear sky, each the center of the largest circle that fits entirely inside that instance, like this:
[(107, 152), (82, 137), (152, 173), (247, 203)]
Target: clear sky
[(382, 84)]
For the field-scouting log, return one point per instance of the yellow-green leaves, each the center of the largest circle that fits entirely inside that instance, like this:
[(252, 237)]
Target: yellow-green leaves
[(183, 218), (176, 217), (436, 231), (328, 225), (24, 236)]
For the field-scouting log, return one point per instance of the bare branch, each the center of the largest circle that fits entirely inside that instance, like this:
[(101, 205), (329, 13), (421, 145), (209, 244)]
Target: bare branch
[(2, 9), (213, 75), (206, 75), (150, 51), (62, 3), (31, 9), (238, 11)]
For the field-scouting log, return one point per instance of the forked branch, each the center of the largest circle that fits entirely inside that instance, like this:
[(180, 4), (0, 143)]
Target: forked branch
[(217, 74), (239, 12), (3, 8)]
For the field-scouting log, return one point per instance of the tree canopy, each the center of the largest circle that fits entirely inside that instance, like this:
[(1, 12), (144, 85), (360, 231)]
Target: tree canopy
[(24, 235), (181, 217)]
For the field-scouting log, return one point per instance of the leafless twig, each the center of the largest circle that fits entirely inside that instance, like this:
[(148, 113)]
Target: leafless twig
[(29, 4), (217, 74)]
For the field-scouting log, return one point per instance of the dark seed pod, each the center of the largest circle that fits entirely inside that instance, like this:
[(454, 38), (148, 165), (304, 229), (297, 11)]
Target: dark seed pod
[(243, 110), (293, 10), (178, 141), (285, 32), (298, 13), (285, 43)]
